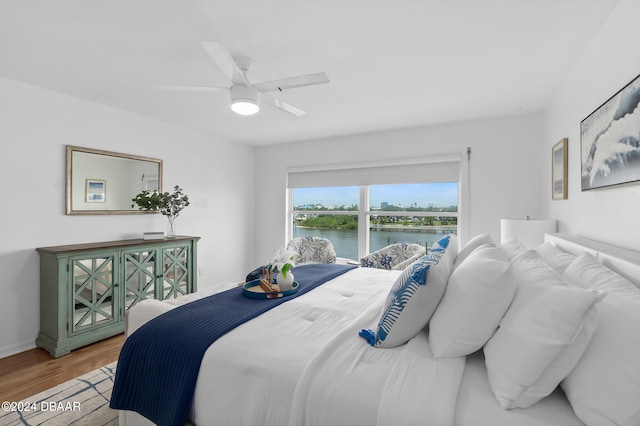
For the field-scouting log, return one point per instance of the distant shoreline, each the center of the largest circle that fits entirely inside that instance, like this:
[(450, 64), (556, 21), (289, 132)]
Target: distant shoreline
[(426, 229)]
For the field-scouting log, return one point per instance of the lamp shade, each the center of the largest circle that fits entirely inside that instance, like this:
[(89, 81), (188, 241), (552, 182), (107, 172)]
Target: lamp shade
[(530, 232)]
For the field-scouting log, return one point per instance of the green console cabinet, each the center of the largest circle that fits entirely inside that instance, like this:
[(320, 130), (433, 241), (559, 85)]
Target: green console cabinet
[(85, 289)]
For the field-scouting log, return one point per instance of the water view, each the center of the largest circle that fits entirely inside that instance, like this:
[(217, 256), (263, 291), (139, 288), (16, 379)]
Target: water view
[(419, 213)]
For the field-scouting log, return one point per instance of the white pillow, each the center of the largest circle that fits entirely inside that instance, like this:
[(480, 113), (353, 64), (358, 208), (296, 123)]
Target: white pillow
[(413, 298), (604, 387), (554, 257), (542, 336), (475, 300), (471, 245), (512, 248), (452, 245)]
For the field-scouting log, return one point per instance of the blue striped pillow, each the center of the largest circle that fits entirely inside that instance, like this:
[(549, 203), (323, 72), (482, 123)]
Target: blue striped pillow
[(413, 298)]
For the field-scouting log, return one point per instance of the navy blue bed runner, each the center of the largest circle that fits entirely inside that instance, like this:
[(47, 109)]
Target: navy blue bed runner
[(159, 363)]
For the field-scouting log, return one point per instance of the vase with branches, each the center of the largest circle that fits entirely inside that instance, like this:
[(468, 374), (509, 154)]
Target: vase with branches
[(169, 204)]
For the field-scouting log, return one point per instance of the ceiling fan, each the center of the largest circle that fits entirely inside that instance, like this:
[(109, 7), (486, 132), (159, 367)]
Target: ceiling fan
[(246, 97)]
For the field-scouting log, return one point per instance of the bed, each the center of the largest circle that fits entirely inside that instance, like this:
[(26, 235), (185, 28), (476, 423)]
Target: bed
[(355, 351)]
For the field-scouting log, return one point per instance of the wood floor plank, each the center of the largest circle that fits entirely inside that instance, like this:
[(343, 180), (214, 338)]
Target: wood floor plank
[(31, 372)]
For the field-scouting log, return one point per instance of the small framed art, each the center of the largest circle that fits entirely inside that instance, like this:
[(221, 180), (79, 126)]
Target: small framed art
[(559, 170), (96, 191)]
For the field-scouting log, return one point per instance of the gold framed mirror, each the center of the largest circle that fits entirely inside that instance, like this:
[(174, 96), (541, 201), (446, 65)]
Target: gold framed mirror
[(104, 182)]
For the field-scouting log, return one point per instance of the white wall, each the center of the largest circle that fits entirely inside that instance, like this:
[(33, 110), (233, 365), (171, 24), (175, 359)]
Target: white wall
[(35, 126), (505, 175), (611, 61)]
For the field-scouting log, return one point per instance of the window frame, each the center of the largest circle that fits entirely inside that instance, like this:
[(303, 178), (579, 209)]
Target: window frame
[(364, 212), (364, 217)]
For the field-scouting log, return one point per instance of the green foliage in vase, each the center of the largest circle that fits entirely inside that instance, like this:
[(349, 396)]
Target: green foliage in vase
[(168, 204), (283, 261)]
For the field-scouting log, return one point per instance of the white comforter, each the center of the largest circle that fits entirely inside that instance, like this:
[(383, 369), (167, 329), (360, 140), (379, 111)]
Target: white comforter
[(304, 363), (349, 382)]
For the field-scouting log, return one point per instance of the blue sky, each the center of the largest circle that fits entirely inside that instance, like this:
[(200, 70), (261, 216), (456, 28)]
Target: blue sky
[(440, 194)]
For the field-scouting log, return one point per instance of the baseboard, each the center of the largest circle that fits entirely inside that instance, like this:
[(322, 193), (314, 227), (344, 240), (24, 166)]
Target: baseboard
[(16, 348)]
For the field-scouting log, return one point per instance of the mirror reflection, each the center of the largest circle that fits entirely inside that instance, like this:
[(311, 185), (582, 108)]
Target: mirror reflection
[(104, 182)]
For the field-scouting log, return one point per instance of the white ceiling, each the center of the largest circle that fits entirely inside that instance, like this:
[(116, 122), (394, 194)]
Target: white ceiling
[(391, 64)]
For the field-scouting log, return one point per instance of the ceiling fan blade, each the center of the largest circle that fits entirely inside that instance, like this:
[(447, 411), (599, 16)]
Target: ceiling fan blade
[(292, 82), (189, 88), (225, 62), (277, 103)]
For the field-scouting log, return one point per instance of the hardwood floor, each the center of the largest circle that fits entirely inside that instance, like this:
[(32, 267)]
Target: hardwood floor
[(28, 373)]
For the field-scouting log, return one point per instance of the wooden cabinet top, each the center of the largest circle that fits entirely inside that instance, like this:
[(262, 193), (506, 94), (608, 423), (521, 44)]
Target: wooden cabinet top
[(70, 248)]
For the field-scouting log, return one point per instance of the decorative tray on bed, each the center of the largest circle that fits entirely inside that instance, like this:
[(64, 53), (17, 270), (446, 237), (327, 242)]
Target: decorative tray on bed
[(253, 290)]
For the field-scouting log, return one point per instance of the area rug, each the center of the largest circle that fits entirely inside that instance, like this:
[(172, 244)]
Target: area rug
[(80, 401)]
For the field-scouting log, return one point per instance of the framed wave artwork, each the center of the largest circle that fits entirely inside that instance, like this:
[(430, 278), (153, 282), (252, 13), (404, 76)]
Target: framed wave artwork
[(610, 140)]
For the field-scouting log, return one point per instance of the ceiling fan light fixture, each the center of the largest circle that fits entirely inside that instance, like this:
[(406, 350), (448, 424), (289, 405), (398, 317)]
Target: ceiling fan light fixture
[(245, 100)]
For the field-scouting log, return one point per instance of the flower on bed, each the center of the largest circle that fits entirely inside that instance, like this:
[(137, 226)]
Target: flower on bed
[(283, 261)]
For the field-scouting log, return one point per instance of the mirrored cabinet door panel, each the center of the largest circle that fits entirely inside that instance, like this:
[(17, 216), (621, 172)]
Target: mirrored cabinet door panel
[(139, 276), (93, 300), (175, 275)]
